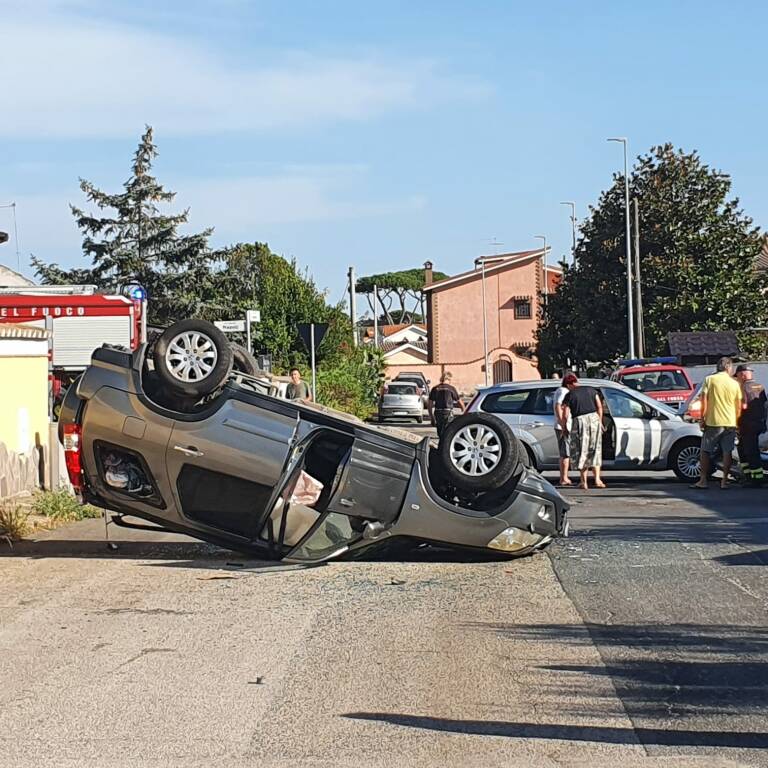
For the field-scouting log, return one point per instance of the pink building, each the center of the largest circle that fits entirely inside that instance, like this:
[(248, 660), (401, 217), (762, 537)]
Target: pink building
[(514, 294)]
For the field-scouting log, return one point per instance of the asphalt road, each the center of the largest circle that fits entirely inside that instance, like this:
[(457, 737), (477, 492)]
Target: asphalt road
[(671, 585), (641, 640)]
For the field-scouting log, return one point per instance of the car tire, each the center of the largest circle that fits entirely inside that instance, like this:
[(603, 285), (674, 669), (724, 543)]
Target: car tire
[(684, 459), (479, 452), (193, 358), (244, 362)]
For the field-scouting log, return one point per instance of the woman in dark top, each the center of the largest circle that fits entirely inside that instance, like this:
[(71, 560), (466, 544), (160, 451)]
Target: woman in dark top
[(585, 407)]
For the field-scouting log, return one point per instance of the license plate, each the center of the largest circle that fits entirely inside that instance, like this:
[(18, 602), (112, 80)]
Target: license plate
[(401, 413)]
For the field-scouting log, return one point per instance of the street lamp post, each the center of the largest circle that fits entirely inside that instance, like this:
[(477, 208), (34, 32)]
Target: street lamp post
[(481, 261), (544, 260), (573, 227), (630, 313)]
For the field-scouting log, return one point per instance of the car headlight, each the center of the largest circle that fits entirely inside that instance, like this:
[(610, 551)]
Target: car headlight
[(514, 539)]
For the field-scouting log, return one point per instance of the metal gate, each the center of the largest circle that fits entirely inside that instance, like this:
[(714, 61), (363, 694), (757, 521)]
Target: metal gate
[(502, 370)]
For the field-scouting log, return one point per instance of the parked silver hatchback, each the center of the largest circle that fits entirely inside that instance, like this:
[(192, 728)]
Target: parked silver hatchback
[(641, 433), (402, 400)]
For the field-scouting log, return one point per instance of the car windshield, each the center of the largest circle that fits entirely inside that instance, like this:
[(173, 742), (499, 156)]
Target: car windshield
[(401, 389), (655, 381)]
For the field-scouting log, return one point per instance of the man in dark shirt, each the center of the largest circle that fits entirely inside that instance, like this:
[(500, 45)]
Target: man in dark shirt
[(751, 425), (442, 400), (584, 406), (297, 389)]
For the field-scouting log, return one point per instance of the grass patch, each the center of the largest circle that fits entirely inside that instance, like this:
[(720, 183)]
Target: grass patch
[(14, 522), (61, 507)]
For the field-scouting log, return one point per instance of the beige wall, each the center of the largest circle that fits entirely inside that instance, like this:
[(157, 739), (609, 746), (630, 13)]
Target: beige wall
[(405, 358), (23, 402), (468, 376)]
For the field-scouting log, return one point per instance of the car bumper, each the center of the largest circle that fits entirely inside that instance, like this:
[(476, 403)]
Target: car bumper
[(391, 413)]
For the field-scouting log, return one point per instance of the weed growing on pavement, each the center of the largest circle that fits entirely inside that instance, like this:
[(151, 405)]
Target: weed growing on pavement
[(14, 522), (62, 507)]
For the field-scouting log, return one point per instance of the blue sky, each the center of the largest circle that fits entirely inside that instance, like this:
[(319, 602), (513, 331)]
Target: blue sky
[(379, 135)]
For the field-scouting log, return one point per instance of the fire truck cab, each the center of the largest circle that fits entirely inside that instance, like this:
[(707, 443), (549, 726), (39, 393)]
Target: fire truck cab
[(662, 378), (79, 320)]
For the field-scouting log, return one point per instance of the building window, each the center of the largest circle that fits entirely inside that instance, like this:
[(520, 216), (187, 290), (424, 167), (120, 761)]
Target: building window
[(522, 309)]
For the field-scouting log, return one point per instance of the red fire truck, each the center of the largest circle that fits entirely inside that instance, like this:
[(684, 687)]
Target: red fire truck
[(80, 319)]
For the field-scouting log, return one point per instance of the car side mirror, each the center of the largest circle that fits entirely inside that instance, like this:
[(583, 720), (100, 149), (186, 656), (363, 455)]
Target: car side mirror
[(656, 414)]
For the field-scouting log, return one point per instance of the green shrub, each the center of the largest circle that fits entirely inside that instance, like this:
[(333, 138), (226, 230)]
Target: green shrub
[(14, 522), (350, 381), (61, 506)]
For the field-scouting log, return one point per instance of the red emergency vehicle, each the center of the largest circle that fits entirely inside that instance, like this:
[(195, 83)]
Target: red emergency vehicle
[(662, 378), (80, 320)]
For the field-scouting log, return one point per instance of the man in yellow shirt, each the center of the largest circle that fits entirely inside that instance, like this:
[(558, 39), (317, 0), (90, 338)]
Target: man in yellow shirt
[(720, 411)]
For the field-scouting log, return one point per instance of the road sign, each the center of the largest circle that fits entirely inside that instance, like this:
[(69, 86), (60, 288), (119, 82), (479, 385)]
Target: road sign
[(305, 334), (253, 316), (230, 326)]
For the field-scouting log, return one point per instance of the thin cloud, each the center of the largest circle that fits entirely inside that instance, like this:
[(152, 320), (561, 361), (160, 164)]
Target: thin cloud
[(238, 208), (72, 78)]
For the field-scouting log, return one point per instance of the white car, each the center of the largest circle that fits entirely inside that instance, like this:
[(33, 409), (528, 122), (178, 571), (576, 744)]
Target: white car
[(641, 433)]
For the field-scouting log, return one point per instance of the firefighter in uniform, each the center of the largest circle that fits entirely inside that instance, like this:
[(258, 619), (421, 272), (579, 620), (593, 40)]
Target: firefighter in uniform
[(751, 424)]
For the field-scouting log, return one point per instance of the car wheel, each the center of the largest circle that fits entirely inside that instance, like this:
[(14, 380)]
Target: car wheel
[(479, 452), (244, 362), (193, 358), (685, 460)]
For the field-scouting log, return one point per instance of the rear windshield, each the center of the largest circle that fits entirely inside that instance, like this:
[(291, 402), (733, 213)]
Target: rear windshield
[(655, 381), (401, 389)]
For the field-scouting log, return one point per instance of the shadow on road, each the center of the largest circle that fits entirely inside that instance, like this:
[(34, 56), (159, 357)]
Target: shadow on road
[(661, 671), (602, 734)]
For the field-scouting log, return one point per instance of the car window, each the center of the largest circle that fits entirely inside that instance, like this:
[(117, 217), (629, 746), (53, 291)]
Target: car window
[(543, 403), (506, 402), (401, 389), (655, 381), (621, 405)]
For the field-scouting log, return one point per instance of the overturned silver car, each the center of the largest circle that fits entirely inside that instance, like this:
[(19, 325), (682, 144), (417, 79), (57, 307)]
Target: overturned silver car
[(175, 436)]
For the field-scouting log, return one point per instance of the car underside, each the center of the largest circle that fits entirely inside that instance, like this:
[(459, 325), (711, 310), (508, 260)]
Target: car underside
[(292, 481)]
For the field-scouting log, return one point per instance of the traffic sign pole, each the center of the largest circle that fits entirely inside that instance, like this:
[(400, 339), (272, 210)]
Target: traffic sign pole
[(312, 347), (248, 332)]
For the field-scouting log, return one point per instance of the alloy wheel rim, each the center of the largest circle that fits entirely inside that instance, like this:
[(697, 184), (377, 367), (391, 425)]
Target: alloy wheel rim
[(475, 450), (191, 356), (689, 462)]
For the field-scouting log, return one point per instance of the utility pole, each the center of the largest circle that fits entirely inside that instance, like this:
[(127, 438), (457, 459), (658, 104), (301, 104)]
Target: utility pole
[(573, 227), (630, 311), (543, 238), (375, 316), (352, 305), (638, 286)]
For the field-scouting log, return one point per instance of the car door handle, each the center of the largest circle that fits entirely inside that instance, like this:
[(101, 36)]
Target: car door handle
[(535, 424), (188, 450)]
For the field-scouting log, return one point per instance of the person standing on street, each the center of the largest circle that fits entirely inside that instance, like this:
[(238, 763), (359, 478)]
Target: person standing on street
[(297, 388), (720, 411), (751, 425), (563, 436), (443, 398), (585, 408)]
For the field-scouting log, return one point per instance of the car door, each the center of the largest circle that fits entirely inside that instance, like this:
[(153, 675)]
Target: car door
[(537, 425), (638, 436), (225, 467)]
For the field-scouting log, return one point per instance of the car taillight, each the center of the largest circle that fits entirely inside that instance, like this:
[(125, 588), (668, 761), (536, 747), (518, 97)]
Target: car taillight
[(72, 454)]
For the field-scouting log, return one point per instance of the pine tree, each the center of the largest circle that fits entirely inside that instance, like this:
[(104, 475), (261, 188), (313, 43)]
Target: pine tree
[(139, 243)]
